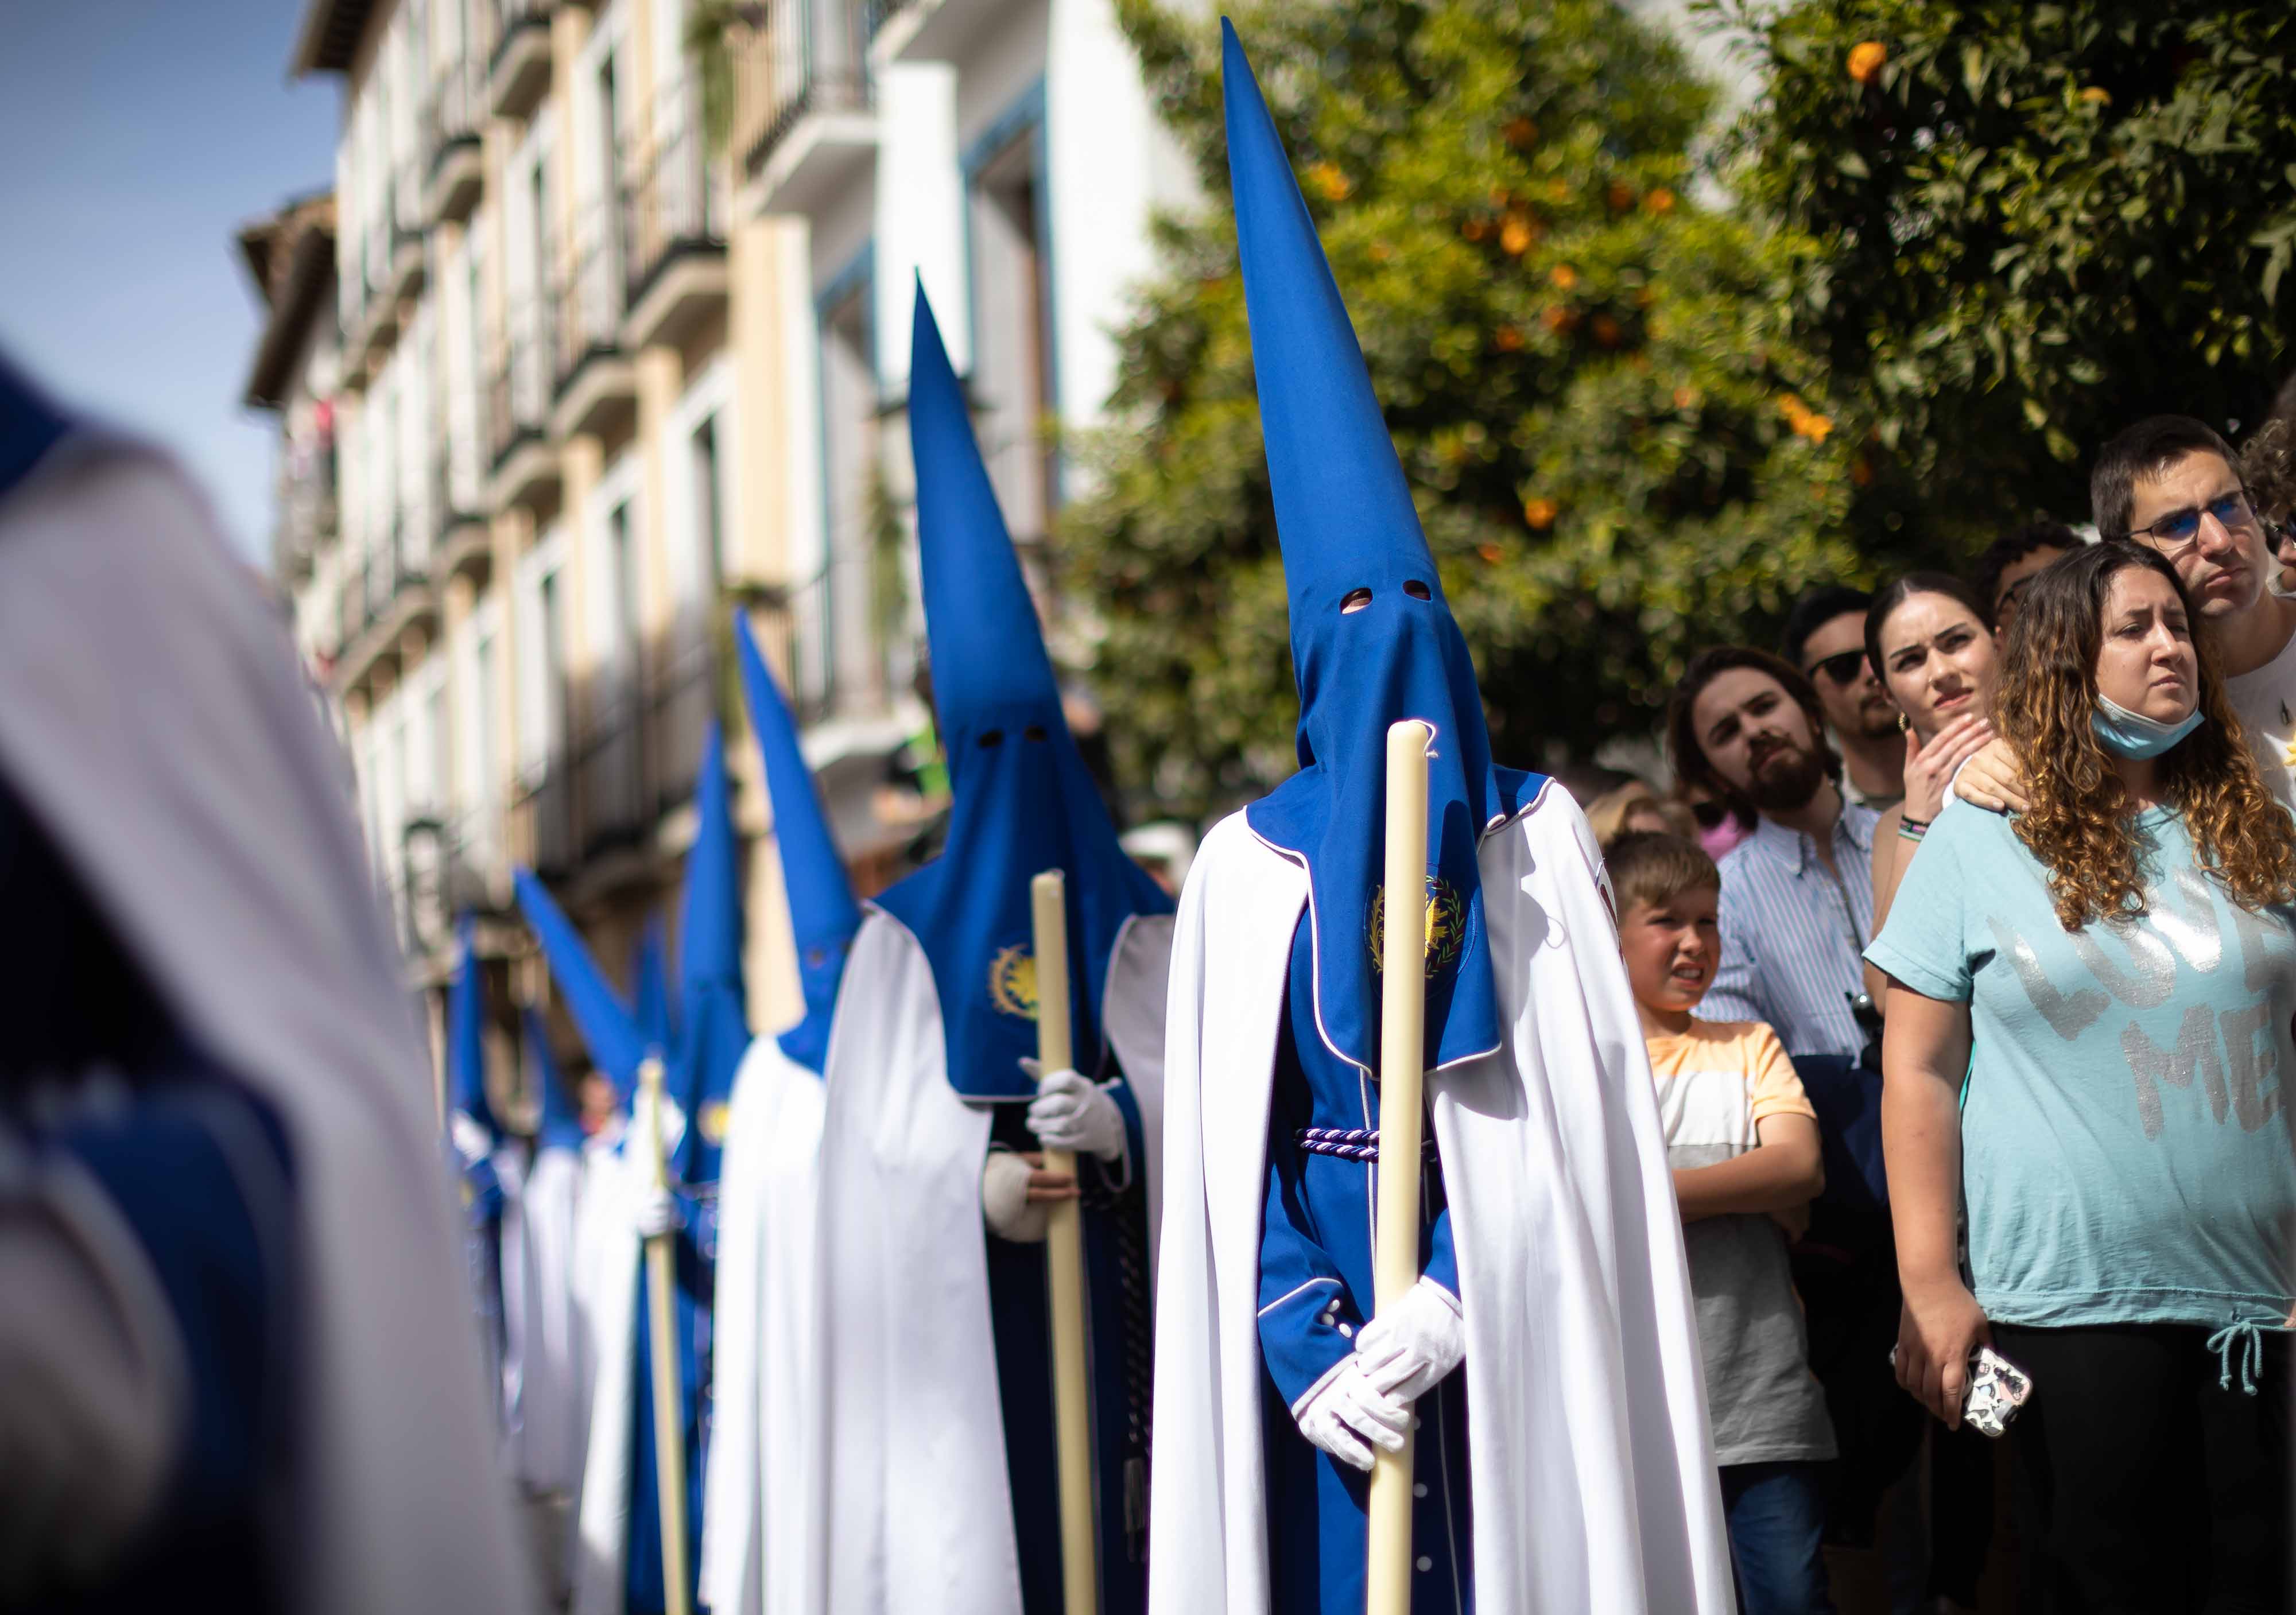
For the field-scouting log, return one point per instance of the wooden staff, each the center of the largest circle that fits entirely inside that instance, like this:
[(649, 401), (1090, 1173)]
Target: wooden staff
[(1065, 1267), (668, 1408), (1403, 1018)]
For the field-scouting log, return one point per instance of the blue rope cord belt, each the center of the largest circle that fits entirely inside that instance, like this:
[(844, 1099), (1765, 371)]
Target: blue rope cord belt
[(2245, 1337), (1351, 1144)]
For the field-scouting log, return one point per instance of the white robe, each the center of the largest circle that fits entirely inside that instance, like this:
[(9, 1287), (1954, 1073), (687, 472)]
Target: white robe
[(153, 716), (763, 1368), (1594, 1486), (905, 1451), (546, 1366)]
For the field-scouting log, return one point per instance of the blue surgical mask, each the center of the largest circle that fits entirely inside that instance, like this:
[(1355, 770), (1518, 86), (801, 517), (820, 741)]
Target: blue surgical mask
[(2131, 734)]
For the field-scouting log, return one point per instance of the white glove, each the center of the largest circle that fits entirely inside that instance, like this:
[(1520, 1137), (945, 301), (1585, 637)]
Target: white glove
[(1070, 1112), (1413, 1343), (1004, 1200), (1347, 1416), (471, 1140), (655, 1213)]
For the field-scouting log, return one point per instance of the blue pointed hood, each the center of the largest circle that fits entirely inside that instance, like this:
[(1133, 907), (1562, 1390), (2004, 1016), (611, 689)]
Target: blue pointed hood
[(650, 1002), (713, 1019), (823, 912), (1024, 802), (1346, 523), (618, 1044), (561, 1127), (466, 1035)]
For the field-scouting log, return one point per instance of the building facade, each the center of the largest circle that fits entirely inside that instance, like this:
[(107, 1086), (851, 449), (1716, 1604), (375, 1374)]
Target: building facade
[(587, 360)]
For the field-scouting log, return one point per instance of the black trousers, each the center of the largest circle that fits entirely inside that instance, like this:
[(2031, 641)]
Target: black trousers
[(2144, 1485)]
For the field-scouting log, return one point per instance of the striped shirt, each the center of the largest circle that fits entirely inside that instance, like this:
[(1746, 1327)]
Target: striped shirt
[(1793, 935)]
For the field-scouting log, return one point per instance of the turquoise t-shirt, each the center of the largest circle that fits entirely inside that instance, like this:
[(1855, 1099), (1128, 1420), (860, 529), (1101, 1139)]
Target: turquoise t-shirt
[(2125, 1140)]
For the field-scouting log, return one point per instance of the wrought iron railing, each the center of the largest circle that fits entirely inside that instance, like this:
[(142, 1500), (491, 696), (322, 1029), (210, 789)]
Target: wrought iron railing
[(509, 16), (518, 392), (455, 112), (672, 206), (589, 300), (306, 521), (806, 57)]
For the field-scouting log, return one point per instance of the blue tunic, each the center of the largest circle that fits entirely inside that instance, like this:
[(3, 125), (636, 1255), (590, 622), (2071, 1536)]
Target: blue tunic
[(1118, 1329), (1315, 1293), (694, 1250)]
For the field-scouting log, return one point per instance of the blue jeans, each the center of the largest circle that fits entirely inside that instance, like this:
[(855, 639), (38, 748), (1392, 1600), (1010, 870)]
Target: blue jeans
[(1776, 1513)]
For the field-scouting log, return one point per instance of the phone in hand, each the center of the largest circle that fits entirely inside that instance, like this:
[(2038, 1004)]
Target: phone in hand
[(1996, 1392)]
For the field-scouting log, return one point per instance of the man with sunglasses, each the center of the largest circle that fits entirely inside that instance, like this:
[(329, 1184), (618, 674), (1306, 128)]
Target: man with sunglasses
[(1826, 640), (2172, 483)]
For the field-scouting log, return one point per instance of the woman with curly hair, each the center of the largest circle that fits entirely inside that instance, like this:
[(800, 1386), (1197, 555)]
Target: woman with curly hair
[(2087, 1036)]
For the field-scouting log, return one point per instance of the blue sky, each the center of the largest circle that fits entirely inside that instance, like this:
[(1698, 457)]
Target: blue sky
[(142, 133)]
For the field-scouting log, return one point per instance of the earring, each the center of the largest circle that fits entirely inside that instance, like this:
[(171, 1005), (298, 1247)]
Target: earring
[(1905, 723)]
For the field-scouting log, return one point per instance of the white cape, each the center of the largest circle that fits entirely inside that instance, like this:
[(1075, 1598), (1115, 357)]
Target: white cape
[(1594, 1486), (152, 716), (546, 1359), (906, 1447), (763, 1369)]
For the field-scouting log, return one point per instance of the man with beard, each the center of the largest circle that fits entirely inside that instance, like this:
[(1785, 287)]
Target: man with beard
[(1826, 638), (1798, 894)]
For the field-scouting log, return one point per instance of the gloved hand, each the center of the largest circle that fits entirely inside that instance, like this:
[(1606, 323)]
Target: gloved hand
[(1070, 1112), (1347, 1416), (1413, 1343), (1004, 1200), (472, 1142), (655, 1212)]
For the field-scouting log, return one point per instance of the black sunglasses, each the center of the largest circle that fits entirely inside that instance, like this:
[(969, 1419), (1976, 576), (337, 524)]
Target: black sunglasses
[(1843, 666)]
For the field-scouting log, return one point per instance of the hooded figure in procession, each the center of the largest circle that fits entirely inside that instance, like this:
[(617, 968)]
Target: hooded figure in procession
[(487, 1159), (933, 1446), (237, 1368), (543, 1307), (763, 1363), (1549, 1350), (619, 1568)]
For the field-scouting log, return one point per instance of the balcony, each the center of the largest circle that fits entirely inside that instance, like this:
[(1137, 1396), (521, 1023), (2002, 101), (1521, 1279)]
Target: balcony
[(609, 764), (464, 543), (392, 268), (380, 603), (676, 267), (594, 379), (523, 463), (518, 69), (306, 521), (542, 810), (927, 31), (454, 118), (803, 118)]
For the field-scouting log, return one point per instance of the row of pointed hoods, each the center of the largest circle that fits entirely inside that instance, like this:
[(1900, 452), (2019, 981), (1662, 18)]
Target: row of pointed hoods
[(1372, 642)]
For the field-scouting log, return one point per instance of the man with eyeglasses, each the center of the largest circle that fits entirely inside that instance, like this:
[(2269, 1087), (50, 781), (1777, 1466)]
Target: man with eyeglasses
[(1826, 641), (2172, 483)]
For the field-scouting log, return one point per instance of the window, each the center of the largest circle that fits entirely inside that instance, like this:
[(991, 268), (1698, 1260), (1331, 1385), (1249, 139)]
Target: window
[(708, 507), (1013, 316), (482, 721), (554, 664), (442, 757), (836, 649), (622, 556)]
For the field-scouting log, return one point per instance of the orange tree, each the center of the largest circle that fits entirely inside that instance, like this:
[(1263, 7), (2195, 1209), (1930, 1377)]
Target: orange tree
[(2023, 225), (1618, 453)]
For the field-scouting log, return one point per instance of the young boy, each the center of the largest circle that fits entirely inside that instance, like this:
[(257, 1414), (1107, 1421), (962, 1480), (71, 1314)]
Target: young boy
[(1742, 1142)]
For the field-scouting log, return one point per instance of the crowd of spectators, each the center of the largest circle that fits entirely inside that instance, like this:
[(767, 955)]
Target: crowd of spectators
[(1965, 942)]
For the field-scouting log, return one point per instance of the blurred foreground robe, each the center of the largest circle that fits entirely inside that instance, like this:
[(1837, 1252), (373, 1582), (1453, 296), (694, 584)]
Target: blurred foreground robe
[(763, 1366), (931, 1447), (1548, 1350), (618, 1558), (236, 1364)]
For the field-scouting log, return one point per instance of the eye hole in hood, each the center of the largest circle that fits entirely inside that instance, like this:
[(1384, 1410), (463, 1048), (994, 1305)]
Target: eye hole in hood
[(1354, 600)]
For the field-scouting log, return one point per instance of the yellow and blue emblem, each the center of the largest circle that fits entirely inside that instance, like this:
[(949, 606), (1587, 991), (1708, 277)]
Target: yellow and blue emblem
[(1446, 926), (1012, 981)]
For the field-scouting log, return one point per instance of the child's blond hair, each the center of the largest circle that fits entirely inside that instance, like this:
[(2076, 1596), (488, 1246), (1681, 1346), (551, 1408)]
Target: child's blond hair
[(1651, 866)]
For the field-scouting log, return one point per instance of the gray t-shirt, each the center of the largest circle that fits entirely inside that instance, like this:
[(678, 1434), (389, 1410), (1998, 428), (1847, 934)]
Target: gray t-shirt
[(1715, 1083)]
